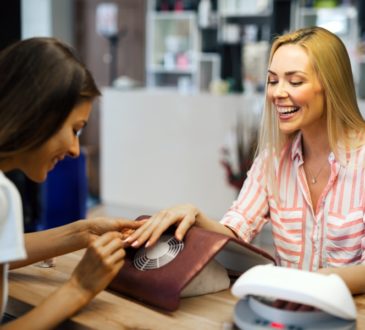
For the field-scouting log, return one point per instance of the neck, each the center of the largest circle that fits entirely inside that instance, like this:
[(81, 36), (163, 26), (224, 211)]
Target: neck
[(316, 145)]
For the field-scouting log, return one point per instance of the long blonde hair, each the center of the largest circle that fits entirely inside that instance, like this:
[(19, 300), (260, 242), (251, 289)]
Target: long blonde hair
[(331, 63)]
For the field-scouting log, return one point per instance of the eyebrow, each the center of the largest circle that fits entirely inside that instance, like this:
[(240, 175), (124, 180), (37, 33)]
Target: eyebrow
[(288, 73)]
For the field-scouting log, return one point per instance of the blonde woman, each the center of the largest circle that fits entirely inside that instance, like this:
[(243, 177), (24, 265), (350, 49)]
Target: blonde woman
[(308, 178)]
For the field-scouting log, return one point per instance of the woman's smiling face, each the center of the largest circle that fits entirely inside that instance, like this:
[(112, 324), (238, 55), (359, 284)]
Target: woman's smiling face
[(295, 91)]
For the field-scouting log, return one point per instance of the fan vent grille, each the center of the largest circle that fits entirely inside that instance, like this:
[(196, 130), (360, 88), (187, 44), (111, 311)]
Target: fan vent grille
[(160, 254)]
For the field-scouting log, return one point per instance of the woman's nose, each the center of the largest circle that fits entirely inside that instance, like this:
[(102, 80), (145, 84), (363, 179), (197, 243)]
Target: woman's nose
[(74, 150), (280, 91)]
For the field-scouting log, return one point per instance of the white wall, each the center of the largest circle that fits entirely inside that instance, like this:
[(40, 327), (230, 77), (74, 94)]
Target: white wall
[(162, 148), (36, 18), (48, 18)]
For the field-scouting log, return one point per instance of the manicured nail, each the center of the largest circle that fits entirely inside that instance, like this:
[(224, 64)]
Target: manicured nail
[(148, 244), (135, 243)]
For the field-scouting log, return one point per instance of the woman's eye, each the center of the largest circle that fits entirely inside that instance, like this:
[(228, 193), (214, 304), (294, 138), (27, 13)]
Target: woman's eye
[(78, 132), (296, 83), (272, 82)]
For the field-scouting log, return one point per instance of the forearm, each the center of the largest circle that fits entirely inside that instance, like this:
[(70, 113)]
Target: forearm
[(353, 276), (53, 242), (59, 306)]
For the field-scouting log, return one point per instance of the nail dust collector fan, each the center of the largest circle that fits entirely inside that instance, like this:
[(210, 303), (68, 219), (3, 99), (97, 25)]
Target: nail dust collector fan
[(169, 270), (261, 285), (167, 248)]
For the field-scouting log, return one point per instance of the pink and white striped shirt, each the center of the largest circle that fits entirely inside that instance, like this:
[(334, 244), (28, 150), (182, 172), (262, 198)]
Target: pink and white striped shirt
[(331, 236)]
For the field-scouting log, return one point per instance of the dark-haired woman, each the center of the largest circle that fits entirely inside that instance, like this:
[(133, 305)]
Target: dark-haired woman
[(46, 96)]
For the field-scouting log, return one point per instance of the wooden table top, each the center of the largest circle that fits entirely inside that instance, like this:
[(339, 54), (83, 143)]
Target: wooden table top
[(28, 286)]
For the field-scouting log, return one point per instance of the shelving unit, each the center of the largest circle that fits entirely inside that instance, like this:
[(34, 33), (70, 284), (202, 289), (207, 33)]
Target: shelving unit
[(176, 53), (341, 20), (172, 47), (244, 32)]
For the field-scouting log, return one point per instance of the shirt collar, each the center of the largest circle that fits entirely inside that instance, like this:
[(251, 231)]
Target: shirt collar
[(297, 149)]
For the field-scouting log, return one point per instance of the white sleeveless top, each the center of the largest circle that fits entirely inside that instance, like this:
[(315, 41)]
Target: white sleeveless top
[(11, 230)]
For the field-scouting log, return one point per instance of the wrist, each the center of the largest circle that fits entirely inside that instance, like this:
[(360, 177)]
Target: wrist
[(82, 232), (80, 295)]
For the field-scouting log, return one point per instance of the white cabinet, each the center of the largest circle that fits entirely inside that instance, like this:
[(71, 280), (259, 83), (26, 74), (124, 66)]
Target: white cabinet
[(160, 148)]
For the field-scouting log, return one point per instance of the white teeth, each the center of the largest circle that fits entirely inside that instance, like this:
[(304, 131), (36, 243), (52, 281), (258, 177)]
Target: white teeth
[(286, 109)]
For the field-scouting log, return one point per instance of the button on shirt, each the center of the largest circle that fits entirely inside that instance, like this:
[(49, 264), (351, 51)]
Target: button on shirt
[(331, 236)]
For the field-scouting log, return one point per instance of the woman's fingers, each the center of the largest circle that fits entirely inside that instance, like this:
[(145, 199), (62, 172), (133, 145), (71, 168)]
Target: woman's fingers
[(182, 215), (151, 230), (160, 225), (99, 226), (111, 247), (184, 226), (132, 224), (102, 260), (106, 238), (107, 250)]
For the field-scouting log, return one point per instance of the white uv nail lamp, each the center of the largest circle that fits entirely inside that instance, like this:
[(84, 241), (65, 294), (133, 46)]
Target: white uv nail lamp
[(334, 308)]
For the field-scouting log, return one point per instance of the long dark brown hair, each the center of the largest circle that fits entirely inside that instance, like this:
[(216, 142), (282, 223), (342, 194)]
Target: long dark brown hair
[(41, 81)]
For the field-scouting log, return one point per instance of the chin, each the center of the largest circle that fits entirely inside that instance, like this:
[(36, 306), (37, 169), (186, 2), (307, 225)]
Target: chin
[(288, 130), (37, 177)]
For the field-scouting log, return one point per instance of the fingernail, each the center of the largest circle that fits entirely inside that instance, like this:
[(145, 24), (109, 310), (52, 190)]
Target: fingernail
[(135, 243), (125, 243), (148, 244)]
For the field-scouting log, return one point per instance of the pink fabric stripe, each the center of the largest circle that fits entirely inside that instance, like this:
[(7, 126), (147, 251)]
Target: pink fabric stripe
[(344, 248), (312, 247), (304, 226), (341, 185), (284, 239), (287, 251), (333, 197), (321, 246), (346, 225), (344, 261), (287, 179), (292, 220), (336, 214), (343, 237), (352, 198)]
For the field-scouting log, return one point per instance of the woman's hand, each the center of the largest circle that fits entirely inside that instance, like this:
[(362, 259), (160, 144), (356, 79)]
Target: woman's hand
[(184, 216), (101, 262), (98, 226)]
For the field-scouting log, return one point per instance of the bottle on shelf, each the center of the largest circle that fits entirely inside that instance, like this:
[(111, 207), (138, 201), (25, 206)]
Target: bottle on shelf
[(204, 13)]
